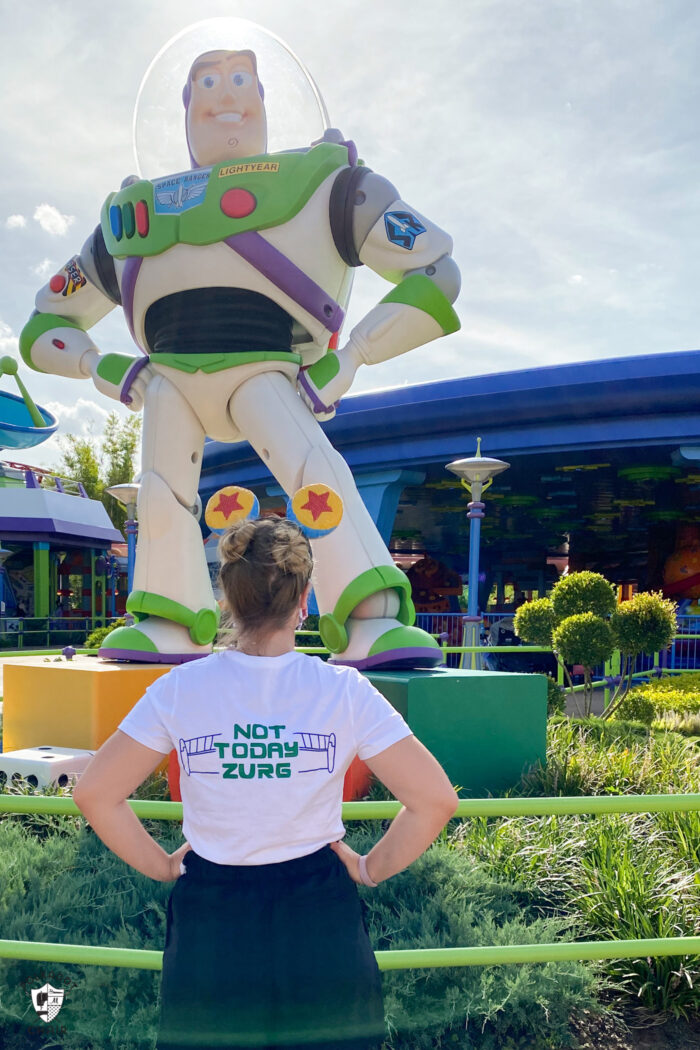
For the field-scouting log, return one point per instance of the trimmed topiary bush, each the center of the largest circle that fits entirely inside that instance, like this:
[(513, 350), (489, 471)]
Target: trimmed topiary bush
[(583, 592), (644, 624), (636, 706), (534, 622), (584, 639)]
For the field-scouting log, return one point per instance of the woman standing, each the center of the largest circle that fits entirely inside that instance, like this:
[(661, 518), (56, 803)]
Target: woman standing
[(265, 943)]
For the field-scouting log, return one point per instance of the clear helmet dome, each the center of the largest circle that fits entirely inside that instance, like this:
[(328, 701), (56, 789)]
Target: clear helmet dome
[(296, 114)]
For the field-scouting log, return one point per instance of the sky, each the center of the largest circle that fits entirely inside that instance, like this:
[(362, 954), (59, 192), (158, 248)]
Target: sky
[(554, 140)]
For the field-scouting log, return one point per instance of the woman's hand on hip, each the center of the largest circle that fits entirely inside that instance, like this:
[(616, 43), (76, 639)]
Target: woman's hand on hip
[(176, 858), (350, 859)]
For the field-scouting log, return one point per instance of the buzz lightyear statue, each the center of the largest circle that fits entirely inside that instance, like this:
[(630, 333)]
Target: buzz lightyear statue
[(233, 279)]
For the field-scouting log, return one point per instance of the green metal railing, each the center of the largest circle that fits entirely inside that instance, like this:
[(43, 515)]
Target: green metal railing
[(399, 959), (19, 633)]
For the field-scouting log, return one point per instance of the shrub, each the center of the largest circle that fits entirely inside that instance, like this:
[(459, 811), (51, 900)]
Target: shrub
[(680, 683), (583, 592), (645, 624), (584, 638), (672, 703), (612, 878), (635, 707), (574, 622), (444, 900), (593, 757), (95, 639), (70, 888), (535, 621)]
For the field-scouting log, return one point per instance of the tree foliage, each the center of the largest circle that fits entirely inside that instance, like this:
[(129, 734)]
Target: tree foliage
[(99, 463), (644, 624), (584, 639), (535, 621), (583, 592), (584, 625)]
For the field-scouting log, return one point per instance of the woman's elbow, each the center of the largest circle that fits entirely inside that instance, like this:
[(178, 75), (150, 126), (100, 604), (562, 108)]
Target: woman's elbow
[(84, 797), (444, 805), (451, 803), (81, 799)]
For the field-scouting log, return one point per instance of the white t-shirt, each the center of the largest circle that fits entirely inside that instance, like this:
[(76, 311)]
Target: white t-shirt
[(263, 744)]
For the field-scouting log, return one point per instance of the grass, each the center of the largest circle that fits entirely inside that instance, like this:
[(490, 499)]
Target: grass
[(619, 877), (629, 876)]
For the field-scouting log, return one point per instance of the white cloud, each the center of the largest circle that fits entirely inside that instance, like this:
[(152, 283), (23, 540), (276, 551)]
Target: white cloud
[(43, 269), (15, 222), (84, 418), (52, 220), (9, 344)]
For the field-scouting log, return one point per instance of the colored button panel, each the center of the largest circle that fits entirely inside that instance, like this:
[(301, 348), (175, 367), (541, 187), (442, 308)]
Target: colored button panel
[(115, 222), (58, 282), (129, 219), (142, 218), (237, 203)]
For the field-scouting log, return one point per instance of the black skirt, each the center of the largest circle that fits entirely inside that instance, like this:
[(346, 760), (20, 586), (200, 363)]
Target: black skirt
[(270, 955)]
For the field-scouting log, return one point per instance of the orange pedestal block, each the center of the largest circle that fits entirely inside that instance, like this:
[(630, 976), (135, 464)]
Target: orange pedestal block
[(80, 702), (70, 703)]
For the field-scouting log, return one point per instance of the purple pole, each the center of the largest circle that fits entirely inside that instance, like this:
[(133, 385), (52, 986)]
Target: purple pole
[(131, 533)]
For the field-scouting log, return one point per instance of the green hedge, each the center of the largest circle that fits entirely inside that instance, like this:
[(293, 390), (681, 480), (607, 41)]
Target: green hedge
[(672, 702)]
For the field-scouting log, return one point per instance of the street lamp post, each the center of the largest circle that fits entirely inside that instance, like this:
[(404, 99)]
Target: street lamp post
[(476, 474), (127, 495)]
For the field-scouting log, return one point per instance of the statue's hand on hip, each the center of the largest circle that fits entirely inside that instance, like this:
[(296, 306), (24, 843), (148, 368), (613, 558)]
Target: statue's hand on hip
[(323, 384)]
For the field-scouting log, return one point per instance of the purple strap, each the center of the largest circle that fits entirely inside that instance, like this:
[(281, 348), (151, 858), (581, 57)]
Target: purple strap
[(130, 272), (286, 276), (139, 363), (318, 405)]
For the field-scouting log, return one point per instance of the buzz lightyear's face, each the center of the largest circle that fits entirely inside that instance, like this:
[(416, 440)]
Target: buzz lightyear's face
[(225, 111)]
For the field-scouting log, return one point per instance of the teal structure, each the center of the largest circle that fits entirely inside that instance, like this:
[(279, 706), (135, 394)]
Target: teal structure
[(486, 728)]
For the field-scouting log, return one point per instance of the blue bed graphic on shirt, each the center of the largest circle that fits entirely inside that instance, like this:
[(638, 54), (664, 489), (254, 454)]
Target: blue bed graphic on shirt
[(258, 752)]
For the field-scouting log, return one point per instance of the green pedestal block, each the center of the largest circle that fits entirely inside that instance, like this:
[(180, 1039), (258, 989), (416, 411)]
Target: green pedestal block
[(484, 727)]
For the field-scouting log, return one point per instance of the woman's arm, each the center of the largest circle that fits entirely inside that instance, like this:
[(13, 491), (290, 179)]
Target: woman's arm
[(113, 774), (428, 800)]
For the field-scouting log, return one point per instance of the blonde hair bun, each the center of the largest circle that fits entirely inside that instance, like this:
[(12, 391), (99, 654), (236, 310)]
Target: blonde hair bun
[(235, 542), (265, 564), (290, 549)]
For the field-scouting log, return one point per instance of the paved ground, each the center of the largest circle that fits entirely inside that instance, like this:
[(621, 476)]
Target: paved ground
[(575, 706)]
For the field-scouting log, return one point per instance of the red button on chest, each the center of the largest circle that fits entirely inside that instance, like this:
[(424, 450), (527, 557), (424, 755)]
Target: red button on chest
[(141, 211), (237, 203)]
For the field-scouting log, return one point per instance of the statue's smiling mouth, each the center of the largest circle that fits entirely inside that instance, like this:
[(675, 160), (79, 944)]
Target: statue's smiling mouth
[(229, 116)]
